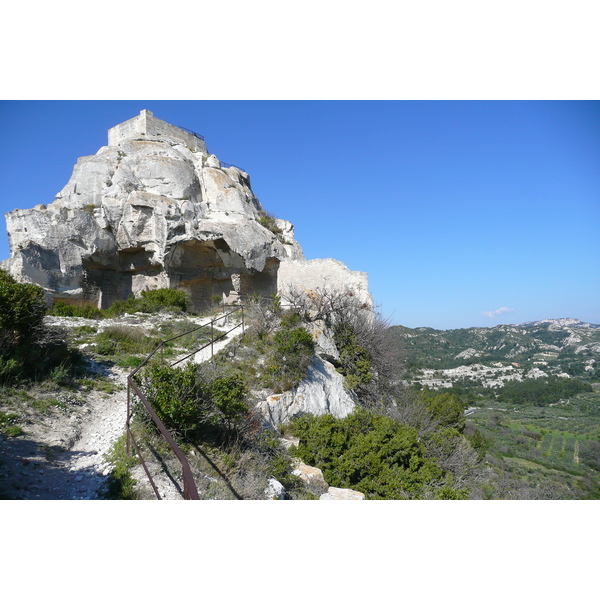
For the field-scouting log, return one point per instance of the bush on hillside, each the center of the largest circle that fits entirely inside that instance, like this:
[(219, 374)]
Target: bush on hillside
[(355, 359), (446, 409), (292, 351), (372, 454), (83, 309), (28, 349), (150, 301), (189, 401), (22, 309)]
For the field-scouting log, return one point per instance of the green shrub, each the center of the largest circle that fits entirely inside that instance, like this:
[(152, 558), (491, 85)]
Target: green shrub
[(61, 375), (355, 360), (175, 395), (28, 349), (164, 298), (372, 454), (229, 393), (22, 309), (293, 350), (446, 408), (151, 301), (9, 368), (478, 441), (85, 310), (188, 401)]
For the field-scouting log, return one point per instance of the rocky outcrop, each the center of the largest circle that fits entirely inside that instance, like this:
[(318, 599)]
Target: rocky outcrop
[(151, 209), (324, 275), (311, 476), (321, 392), (274, 490), (155, 209)]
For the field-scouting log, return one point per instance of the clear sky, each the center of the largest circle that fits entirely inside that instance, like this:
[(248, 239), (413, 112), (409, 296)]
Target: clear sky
[(463, 213)]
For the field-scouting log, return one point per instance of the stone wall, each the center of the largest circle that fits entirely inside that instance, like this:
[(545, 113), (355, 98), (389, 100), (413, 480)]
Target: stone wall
[(321, 274), (147, 125)]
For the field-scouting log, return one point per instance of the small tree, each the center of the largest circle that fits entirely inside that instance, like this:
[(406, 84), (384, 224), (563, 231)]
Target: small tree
[(27, 347), (22, 310)]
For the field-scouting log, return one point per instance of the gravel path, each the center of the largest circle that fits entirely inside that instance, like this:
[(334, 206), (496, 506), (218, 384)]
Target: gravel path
[(62, 455)]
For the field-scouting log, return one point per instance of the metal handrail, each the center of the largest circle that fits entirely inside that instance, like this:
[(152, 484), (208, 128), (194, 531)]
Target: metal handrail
[(190, 491), (200, 137), (225, 165)]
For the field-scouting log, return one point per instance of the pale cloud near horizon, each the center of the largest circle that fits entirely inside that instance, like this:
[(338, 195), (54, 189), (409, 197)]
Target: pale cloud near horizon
[(499, 311)]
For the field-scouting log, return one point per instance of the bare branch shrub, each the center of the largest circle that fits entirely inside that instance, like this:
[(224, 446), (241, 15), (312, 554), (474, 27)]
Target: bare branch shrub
[(262, 314), (336, 308)]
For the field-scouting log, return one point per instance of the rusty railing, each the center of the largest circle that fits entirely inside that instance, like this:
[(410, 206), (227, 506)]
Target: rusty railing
[(190, 491)]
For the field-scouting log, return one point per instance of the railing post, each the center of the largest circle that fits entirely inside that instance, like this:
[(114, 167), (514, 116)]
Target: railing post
[(127, 420)]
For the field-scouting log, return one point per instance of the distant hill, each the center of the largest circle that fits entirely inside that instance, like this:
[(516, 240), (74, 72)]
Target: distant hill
[(562, 347)]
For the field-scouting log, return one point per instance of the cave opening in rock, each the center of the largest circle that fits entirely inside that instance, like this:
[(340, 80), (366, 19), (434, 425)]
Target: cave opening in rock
[(211, 272), (116, 277)]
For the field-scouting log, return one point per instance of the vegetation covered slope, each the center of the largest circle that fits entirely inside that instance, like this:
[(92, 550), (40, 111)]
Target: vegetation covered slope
[(397, 445), (531, 394)]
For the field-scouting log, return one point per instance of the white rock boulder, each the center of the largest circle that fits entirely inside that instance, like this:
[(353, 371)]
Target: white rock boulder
[(342, 494), (321, 392)]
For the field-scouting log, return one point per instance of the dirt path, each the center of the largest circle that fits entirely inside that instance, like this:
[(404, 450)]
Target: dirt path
[(62, 455)]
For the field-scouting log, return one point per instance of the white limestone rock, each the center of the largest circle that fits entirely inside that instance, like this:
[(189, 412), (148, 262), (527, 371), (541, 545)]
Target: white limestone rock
[(274, 490), (324, 274), (311, 476), (152, 208), (342, 494), (320, 392), (468, 353)]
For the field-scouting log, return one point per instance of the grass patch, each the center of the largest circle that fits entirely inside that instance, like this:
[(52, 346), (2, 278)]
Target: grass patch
[(119, 340), (8, 426), (121, 485)]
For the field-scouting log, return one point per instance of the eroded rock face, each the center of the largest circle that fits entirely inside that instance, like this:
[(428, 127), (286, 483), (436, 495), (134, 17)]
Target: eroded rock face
[(152, 209), (321, 392)]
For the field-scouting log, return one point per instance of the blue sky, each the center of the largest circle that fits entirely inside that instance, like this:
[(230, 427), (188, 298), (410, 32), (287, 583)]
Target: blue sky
[(463, 213)]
